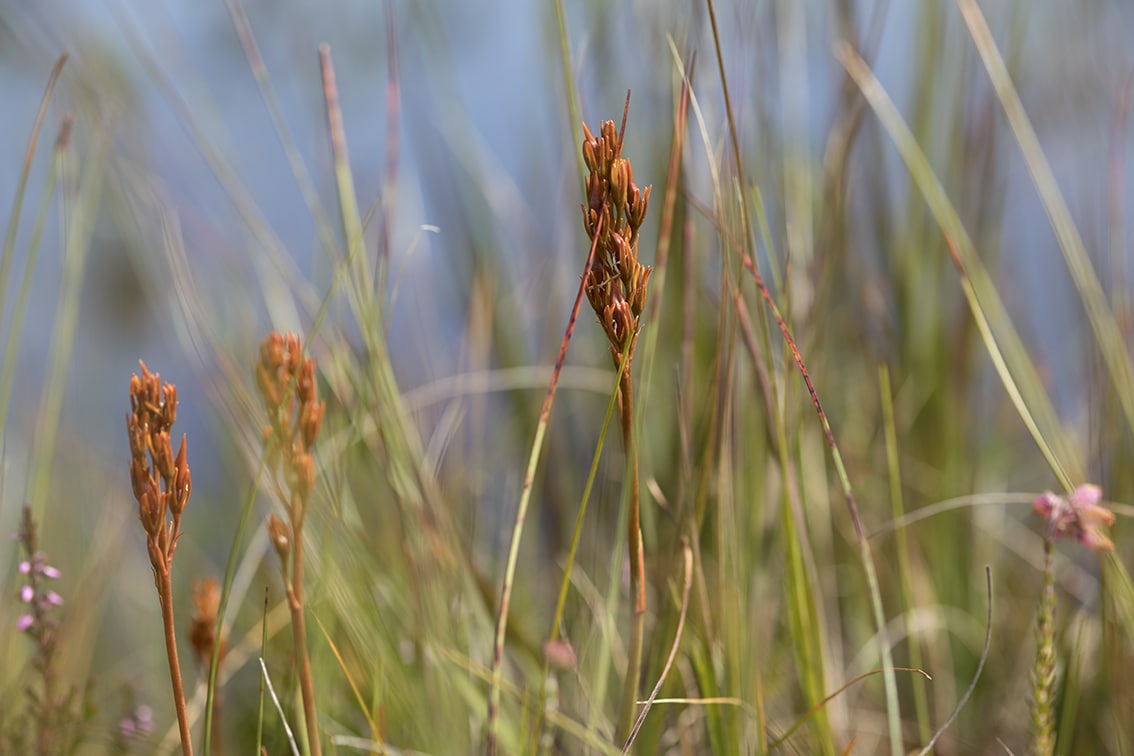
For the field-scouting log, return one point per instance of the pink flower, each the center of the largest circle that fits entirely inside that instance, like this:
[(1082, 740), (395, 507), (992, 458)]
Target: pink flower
[(1077, 515)]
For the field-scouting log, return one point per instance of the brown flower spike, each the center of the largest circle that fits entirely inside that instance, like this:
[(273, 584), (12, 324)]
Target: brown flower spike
[(616, 285), (161, 481), (161, 484), (286, 380)]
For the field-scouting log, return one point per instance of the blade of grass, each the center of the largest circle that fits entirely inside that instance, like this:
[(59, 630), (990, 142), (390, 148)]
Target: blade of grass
[(82, 197), (522, 509), (281, 264), (1095, 303), (687, 572), (830, 697), (299, 170), (263, 679), (893, 714), (362, 707), (921, 702), (576, 538), (976, 675), (1013, 366), (234, 552), (25, 172), (569, 93), (19, 308), (279, 707)]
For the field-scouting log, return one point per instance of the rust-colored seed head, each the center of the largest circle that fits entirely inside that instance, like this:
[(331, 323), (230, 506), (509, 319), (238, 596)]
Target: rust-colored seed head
[(617, 283), (161, 483), (289, 390), (203, 626)]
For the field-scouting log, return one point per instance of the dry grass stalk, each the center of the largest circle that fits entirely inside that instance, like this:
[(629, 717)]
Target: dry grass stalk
[(286, 381), (162, 485)]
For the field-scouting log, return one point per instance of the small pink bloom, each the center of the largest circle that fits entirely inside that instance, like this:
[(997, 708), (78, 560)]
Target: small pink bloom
[(54, 598), (24, 622), (50, 572), (1078, 516), (25, 567), (27, 594), (144, 717)]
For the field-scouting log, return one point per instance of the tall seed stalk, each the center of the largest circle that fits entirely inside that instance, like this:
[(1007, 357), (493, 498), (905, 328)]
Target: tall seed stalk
[(161, 484), (616, 288), (287, 385), (1077, 515)]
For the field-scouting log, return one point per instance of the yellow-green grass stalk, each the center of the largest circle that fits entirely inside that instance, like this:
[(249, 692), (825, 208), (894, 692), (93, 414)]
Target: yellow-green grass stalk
[(1009, 357), (19, 308), (1094, 299), (81, 194), (897, 505)]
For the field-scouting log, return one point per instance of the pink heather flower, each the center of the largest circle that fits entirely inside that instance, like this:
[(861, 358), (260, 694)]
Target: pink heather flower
[(54, 598), (25, 567), (24, 622), (140, 722), (27, 593), (144, 716), (50, 572), (1077, 515)]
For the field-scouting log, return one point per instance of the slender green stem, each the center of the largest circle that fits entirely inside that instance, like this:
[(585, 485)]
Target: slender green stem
[(576, 537), (226, 590), (522, 509), (893, 713), (921, 702), (22, 184)]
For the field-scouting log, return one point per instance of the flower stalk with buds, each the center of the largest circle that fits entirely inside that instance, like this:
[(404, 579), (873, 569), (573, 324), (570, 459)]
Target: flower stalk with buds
[(1080, 516), (286, 381), (161, 484), (616, 287)]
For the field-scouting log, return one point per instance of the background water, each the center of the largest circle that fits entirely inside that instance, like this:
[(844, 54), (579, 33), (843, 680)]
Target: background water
[(482, 105)]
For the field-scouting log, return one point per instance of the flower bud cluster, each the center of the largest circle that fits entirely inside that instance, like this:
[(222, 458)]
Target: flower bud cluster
[(614, 211), (160, 480), (289, 390)]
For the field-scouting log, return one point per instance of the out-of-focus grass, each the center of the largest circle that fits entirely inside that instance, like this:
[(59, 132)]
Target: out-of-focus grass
[(930, 369)]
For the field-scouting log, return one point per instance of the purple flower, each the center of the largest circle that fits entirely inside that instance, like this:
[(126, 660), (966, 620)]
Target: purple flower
[(139, 723), (27, 593), (24, 622)]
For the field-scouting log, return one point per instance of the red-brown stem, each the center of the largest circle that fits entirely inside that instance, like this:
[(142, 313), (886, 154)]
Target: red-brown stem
[(299, 632), (634, 523), (628, 713), (165, 595)]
